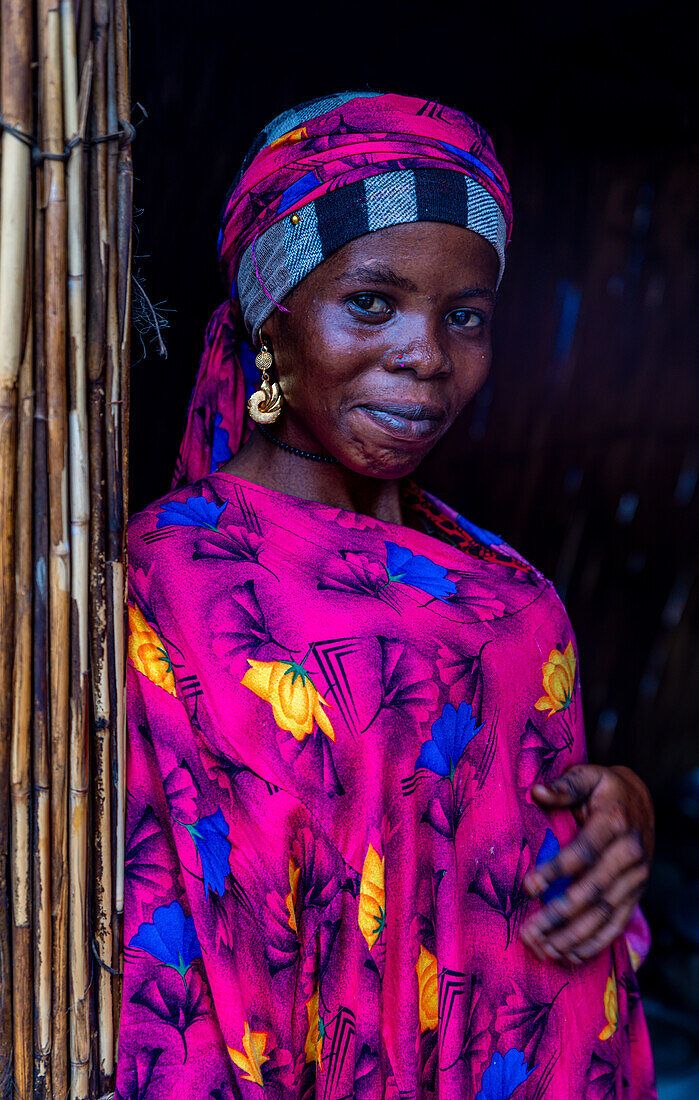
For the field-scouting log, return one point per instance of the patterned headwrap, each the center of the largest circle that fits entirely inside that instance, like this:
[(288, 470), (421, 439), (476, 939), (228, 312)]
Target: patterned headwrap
[(318, 176)]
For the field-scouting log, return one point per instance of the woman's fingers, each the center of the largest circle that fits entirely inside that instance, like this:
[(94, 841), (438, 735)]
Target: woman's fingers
[(572, 933), (588, 890), (586, 849), (573, 788), (608, 862), (594, 938)]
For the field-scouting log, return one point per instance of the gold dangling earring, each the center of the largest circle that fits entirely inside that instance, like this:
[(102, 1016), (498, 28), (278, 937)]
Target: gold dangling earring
[(265, 404)]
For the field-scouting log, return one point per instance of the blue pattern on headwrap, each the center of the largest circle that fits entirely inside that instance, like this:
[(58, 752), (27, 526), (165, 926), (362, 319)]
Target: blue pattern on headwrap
[(471, 160), (297, 190)]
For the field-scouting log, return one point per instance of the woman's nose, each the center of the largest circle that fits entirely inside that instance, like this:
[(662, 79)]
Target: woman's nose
[(423, 354)]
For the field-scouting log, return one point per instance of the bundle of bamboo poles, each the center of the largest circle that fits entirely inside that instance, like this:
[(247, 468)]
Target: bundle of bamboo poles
[(65, 253)]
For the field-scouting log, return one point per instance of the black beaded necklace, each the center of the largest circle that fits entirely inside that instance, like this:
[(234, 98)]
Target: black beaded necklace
[(294, 450)]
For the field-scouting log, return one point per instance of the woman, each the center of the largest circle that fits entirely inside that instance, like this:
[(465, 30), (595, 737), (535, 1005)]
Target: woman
[(354, 860)]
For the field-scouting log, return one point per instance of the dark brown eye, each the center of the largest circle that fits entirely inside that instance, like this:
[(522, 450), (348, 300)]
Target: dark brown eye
[(466, 318), (370, 303)]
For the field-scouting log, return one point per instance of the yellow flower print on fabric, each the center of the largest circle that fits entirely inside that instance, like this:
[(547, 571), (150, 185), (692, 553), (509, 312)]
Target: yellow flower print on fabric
[(426, 969), (148, 654), (292, 138), (558, 681), (252, 1057), (372, 898), (316, 1031), (634, 956), (292, 695), (290, 898), (611, 1008)]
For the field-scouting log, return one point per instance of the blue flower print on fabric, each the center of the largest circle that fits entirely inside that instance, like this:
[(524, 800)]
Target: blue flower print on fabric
[(220, 449), (169, 937), (298, 189), (550, 848), (504, 1075), (418, 571), (210, 834), (481, 533), (193, 512), (451, 733)]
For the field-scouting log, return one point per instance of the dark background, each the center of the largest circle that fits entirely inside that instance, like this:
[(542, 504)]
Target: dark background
[(582, 449)]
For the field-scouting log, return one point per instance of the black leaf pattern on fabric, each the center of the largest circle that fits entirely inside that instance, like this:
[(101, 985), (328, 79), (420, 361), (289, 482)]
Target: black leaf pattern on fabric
[(429, 1059), (474, 1044), (356, 573), (601, 1078), (425, 933), (175, 1000), (212, 492), (234, 545), (307, 1082), (145, 732), (149, 860), (501, 887), (330, 655), (136, 1074), (528, 1018), (321, 875), (366, 1063), (456, 667), (445, 810), (181, 794), (227, 914), (629, 983), (228, 775), (544, 1077), (537, 756), (227, 1090), (407, 686), (243, 629)]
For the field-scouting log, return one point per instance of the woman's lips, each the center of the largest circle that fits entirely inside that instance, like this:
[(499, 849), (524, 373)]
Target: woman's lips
[(407, 422)]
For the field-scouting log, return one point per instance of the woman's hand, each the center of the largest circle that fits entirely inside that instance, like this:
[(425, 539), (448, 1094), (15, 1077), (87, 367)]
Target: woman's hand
[(609, 861)]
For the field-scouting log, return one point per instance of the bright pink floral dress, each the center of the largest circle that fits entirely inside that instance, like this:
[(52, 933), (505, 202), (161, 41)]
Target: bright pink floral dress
[(334, 724)]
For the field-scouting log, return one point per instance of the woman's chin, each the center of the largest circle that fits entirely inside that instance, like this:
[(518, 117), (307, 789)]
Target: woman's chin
[(385, 462)]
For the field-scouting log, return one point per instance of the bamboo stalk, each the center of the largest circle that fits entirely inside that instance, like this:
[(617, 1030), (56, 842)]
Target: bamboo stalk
[(98, 253), (84, 30), (20, 754), (40, 717), (124, 245), (15, 90), (51, 108), (114, 485), (99, 662), (74, 120)]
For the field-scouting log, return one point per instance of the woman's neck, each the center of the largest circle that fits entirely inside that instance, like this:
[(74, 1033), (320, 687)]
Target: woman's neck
[(262, 463)]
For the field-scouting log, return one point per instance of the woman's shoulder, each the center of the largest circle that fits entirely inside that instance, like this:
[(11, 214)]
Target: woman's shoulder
[(192, 505), (474, 540)]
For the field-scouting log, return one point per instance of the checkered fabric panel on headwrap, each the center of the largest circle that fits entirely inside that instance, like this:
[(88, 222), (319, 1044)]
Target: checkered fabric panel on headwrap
[(287, 252)]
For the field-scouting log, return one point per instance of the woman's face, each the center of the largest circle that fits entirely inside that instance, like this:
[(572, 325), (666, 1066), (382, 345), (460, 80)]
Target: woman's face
[(384, 345)]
